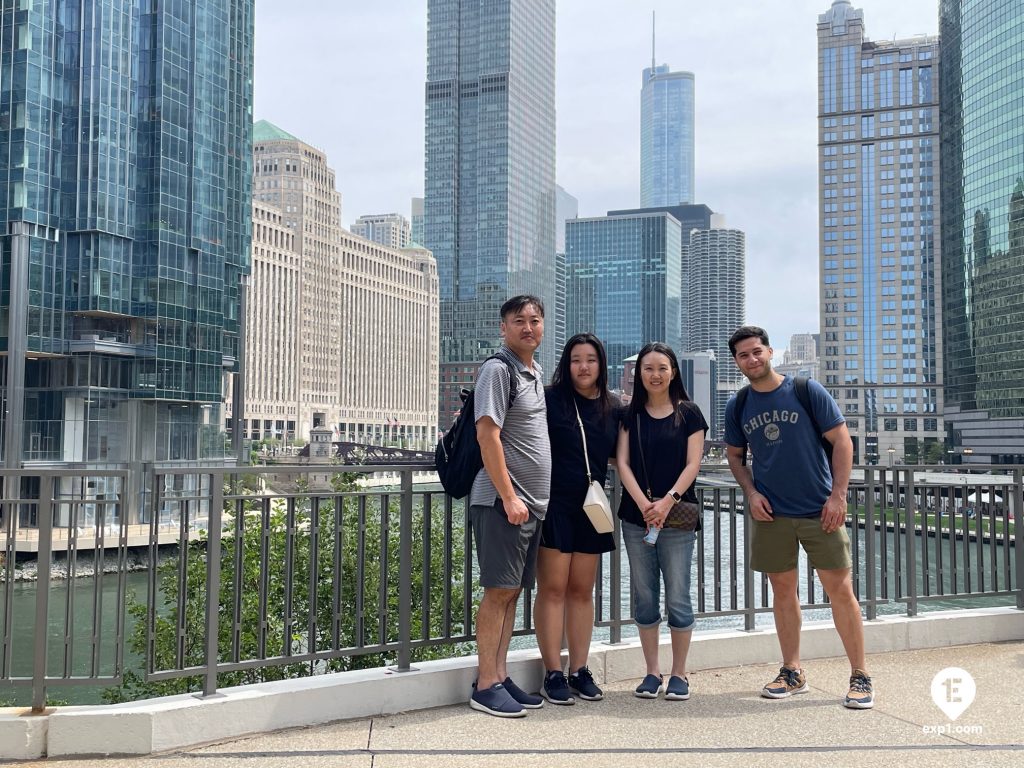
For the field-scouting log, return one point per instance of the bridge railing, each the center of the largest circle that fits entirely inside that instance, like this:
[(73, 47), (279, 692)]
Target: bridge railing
[(281, 571)]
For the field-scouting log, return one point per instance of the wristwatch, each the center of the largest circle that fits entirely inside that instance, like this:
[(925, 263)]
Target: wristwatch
[(676, 496)]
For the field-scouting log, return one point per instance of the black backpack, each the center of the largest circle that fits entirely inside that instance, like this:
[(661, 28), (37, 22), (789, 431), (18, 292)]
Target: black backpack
[(800, 388), (457, 457)]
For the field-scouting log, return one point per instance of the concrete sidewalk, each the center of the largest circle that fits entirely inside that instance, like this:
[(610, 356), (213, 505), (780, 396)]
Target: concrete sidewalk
[(725, 723)]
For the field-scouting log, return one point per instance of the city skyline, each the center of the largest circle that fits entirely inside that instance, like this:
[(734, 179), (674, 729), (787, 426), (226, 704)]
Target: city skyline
[(761, 172)]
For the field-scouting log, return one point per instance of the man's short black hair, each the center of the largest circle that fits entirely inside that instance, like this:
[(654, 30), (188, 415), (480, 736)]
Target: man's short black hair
[(747, 332), (517, 304)]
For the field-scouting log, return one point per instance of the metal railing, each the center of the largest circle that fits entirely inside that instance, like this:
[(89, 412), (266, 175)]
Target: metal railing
[(327, 568)]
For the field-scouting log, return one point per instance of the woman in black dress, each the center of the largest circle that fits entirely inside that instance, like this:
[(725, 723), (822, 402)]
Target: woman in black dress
[(570, 547)]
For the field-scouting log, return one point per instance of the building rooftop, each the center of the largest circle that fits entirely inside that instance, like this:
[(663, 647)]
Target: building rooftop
[(264, 130)]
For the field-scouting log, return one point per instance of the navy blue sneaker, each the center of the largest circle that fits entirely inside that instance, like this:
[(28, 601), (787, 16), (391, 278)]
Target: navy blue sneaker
[(678, 689), (556, 689), (527, 700), (582, 682), (496, 701), (649, 687)]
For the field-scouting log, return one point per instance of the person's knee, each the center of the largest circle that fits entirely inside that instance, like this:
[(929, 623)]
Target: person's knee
[(500, 595), (552, 589)]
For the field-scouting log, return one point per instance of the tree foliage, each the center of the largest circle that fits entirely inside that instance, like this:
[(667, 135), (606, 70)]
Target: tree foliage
[(293, 596)]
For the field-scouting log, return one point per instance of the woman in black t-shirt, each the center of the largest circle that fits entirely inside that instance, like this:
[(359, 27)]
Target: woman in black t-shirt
[(660, 445), (570, 548)]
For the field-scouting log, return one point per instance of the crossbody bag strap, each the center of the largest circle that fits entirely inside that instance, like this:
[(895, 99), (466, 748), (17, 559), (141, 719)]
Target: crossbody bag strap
[(643, 462), (583, 434)]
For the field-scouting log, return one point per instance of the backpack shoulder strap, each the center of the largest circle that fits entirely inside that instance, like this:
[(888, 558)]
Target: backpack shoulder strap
[(800, 386), (513, 375), (738, 406)]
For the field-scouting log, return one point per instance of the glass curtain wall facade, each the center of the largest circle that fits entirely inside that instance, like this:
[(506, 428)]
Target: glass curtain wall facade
[(983, 227), (124, 230), (623, 283), (666, 137), (489, 207), (880, 262)]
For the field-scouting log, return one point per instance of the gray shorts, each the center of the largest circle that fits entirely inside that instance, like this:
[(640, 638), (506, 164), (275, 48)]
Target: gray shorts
[(507, 553)]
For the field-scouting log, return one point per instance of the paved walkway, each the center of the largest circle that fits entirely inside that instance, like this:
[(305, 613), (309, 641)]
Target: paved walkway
[(725, 723)]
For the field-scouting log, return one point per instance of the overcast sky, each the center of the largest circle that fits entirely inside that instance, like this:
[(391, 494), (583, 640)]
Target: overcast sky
[(347, 76)]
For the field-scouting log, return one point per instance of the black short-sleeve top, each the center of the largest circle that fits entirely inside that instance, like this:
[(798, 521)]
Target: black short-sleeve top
[(568, 471), (664, 453)]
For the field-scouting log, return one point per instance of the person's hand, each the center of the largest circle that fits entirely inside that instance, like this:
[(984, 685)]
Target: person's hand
[(760, 507), (516, 511), (833, 514), (656, 512)]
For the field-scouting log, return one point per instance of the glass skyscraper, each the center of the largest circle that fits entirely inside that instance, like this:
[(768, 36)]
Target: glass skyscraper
[(878, 171), (489, 208), (125, 138), (983, 227), (666, 137), (623, 282)]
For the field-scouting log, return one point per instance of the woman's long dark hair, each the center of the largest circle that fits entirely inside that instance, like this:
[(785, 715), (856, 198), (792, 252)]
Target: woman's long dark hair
[(561, 380), (676, 390)]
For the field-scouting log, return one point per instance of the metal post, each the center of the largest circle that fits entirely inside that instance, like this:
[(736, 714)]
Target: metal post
[(749, 616), (615, 565), (405, 575), (909, 534), (1017, 506), (238, 380), (870, 541), (44, 560), (17, 344), (213, 582)]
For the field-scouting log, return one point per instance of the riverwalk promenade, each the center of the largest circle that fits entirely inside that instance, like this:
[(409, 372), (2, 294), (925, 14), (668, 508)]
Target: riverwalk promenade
[(725, 723)]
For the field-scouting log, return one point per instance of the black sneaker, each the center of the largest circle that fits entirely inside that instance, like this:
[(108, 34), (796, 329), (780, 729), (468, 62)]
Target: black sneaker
[(582, 683), (556, 688), (649, 687), (527, 700), (496, 701)]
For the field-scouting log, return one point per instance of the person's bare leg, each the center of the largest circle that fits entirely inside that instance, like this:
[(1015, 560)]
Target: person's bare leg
[(649, 644), (579, 608), (788, 619), (508, 624), (549, 611), (680, 649), (490, 621), (845, 614)]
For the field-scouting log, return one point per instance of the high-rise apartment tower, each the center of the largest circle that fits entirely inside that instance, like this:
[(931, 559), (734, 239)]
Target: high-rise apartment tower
[(878, 161)]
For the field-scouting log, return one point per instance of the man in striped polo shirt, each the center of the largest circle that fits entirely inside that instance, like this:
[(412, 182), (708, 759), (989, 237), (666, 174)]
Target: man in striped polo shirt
[(509, 498)]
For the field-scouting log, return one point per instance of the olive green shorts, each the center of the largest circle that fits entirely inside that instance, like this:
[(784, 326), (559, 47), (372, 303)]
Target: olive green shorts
[(773, 546)]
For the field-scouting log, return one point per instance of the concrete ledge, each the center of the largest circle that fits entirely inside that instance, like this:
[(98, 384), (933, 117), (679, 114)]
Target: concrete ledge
[(181, 721)]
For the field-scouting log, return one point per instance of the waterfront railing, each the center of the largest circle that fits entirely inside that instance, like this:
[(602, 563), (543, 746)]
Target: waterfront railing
[(264, 572)]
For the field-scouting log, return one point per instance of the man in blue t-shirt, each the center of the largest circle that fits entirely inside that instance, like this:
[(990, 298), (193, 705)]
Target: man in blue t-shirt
[(796, 498)]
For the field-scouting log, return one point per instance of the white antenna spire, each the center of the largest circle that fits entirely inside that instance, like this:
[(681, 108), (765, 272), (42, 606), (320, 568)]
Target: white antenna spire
[(653, 60)]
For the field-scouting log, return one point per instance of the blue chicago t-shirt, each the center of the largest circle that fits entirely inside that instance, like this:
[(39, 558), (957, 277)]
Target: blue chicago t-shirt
[(790, 467)]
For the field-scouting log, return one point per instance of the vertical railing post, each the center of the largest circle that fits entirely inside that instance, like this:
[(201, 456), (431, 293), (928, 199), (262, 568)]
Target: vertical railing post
[(44, 561), (213, 557), (749, 614), (615, 567), (870, 544), (910, 535), (1017, 507), (405, 575)]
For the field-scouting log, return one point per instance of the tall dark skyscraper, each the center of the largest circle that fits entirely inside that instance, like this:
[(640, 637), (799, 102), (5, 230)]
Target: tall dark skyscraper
[(125, 128), (982, 97), (489, 208)]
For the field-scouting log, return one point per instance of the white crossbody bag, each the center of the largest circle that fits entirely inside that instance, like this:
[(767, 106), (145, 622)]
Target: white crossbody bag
[(596, 503)]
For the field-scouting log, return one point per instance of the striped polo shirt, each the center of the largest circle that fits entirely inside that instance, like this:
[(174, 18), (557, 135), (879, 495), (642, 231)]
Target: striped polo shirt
[(524, 432)]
